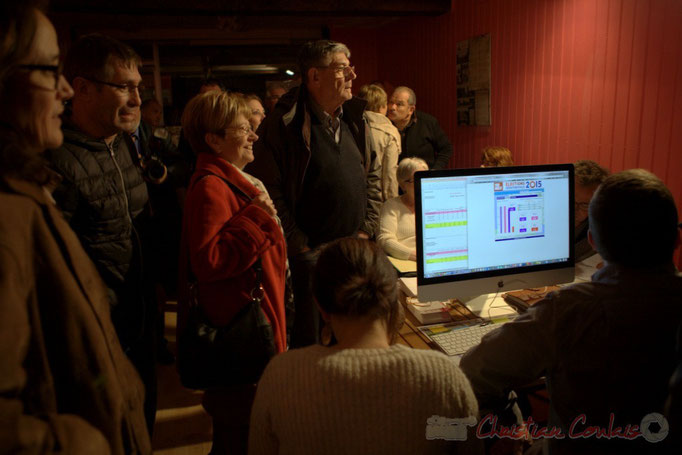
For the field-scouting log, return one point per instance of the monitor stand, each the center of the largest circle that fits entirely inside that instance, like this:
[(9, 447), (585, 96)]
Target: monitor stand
[(481, 305)]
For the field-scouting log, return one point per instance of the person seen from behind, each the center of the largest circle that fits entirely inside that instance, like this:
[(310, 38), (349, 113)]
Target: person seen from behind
[(364, 394)]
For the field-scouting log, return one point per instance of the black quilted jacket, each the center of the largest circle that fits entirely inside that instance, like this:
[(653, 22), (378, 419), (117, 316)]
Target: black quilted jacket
[(94, 202)]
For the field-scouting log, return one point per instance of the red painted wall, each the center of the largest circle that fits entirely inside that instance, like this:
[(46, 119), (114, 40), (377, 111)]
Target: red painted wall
[(571, 79)]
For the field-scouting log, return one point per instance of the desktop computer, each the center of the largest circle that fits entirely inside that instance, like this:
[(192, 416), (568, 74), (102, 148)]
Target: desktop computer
[(486, 230), (493, 229)]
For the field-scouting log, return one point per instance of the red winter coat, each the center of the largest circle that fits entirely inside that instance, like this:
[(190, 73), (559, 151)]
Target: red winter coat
[(226, 234)]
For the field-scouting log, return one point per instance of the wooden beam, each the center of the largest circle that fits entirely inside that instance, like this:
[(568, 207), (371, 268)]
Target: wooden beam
[(258, 7)]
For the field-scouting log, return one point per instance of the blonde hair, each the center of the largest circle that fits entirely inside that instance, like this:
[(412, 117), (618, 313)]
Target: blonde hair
[(409, 165), (496, 157), (374, 95), (211, 112)]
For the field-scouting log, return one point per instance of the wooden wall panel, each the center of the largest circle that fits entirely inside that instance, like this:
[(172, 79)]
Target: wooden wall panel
[(363, 50), (571, 79)]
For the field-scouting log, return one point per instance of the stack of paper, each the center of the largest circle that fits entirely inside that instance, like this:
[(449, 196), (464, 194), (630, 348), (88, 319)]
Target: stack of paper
[(430, 312)]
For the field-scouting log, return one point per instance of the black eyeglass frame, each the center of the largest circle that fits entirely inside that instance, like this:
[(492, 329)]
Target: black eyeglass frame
[(126, 87), (57, 71)]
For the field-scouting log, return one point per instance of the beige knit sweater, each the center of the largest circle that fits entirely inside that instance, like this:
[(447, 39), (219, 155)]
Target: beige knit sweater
[(320, 400), (397, 233)]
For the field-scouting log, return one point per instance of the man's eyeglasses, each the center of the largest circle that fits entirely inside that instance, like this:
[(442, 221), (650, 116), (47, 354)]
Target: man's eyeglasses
[(241, 130), (123, 89), (345, 69), (55, 70)]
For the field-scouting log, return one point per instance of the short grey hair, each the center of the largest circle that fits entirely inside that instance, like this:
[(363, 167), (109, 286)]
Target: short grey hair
[(411, 97), (409, 165), (589, 173), (318, 53), (274, 85)]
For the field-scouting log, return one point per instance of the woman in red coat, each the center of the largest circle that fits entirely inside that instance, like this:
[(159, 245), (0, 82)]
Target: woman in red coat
[(226, 229)]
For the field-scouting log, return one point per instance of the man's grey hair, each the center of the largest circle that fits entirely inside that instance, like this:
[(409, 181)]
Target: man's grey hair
[(411, 97), (270, 86), (409, 165), (589, 173), (318, 53), (633, 220)]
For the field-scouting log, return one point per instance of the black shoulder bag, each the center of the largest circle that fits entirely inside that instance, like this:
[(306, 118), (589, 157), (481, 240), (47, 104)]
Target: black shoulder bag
[(210, 356)]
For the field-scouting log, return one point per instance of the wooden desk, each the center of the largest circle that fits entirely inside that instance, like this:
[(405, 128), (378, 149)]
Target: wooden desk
[(409, 333)]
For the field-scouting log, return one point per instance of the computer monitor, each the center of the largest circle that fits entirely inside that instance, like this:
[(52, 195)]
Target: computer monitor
[(493, 229)]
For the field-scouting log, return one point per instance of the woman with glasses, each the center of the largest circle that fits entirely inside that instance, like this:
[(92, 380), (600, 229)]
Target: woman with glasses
[(65, 383), (397, 235), (364, 394), (231, 241)]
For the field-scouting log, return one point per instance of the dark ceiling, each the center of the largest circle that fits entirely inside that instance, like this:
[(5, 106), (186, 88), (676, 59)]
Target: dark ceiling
[(195, 37), (243, 43)]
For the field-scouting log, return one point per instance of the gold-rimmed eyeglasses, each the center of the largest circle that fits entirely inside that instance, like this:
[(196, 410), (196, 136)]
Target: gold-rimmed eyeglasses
[(346, 70), (241, 130)]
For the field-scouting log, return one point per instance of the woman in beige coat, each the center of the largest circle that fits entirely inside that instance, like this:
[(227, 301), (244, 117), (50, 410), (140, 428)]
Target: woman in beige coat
[(385, 137), (65, 384)]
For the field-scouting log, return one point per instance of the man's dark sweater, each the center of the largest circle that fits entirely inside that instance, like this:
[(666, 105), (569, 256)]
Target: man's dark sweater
[(332, 204), (425, 139)]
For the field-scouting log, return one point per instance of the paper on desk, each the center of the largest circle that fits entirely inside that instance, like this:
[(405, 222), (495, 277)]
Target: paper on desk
[(402, 265), (585, 269), (409, 286)]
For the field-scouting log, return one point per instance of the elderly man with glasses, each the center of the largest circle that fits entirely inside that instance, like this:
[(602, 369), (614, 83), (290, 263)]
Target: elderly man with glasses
[(320, 168), (102, 193)]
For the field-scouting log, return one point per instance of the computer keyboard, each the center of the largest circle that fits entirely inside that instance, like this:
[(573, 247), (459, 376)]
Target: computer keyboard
[(457, 339)]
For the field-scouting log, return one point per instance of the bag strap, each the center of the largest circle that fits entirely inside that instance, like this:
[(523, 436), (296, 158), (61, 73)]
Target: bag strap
[(257, 293), (232, 186)]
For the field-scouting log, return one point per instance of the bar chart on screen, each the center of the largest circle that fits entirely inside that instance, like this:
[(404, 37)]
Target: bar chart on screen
[(519, 214)]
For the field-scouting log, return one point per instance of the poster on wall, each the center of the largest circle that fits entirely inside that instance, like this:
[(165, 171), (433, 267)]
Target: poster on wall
[(473, 81)]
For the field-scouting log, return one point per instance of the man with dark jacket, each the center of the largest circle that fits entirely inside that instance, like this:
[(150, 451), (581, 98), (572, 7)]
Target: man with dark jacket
[(606, 348), (103, 195), (320, 169), (420, 133), (164, 173)]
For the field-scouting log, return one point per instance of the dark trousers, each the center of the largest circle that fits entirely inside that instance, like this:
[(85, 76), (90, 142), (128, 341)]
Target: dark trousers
[(135, 318), (230, 409), (306, 329)]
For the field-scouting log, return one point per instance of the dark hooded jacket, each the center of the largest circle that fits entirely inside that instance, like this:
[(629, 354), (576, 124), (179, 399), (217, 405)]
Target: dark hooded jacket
[(282, 155)]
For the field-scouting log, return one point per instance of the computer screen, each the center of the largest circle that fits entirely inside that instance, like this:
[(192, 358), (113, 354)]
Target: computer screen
[(489, 229)]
